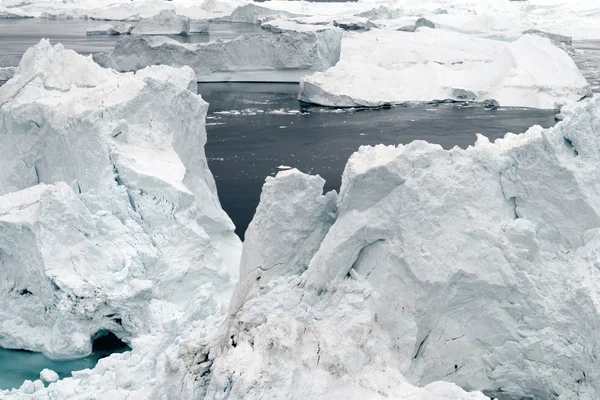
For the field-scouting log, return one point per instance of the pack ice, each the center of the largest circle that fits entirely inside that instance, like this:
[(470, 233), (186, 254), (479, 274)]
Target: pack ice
[(284, 56), (109, 216), (389, 67)]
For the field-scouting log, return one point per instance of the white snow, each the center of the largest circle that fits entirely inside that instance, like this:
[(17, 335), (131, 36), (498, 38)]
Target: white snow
[(109, 216), (48, 376), (285, 56), (382, 67)]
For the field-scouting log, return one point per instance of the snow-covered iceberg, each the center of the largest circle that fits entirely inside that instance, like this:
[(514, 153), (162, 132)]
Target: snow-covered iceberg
[(384, 67), (109, 216), (285, 56)]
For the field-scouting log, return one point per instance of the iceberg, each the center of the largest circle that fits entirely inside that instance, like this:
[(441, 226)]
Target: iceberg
[(285, 56), (198, 26), (11, 13), (108, 29), (474, 266), (384, 67), (109, 216), (253, 14), (167, 22)]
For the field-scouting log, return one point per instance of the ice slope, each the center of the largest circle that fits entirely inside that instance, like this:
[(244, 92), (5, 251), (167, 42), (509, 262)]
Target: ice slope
[(109, 216), (383, 67), (285, 56)]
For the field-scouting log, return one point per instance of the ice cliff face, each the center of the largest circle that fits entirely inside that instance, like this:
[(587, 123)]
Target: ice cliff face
[(109, 217), (529, 72), (474, 266), (263, 57)]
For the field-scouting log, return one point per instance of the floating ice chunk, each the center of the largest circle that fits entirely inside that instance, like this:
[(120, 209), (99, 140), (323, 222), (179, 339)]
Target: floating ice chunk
[(48, 376), (521, 73), (253, 57), (253, 14), (284, 25), (12, 13), (198, 26), (167, 22), (108, 29)]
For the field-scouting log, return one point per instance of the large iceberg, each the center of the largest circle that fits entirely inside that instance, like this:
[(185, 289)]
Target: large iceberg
[(285, 56), (476, 266), (384, 67), (109, 216)]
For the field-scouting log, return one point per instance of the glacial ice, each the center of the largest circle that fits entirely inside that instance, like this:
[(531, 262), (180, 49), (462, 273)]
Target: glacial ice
[(474, 266), (108, 212), (285, 56), (167, 22), (385, 67)]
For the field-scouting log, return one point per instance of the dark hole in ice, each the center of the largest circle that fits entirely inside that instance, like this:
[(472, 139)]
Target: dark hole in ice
[(104, 343)]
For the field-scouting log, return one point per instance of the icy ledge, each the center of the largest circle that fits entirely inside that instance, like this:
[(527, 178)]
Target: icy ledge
[(279, 57), (109, 216), (529, 72)]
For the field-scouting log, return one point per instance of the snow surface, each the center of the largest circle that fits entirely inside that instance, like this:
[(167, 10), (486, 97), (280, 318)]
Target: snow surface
[(285, 56), (383, 67), (109, 216)]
